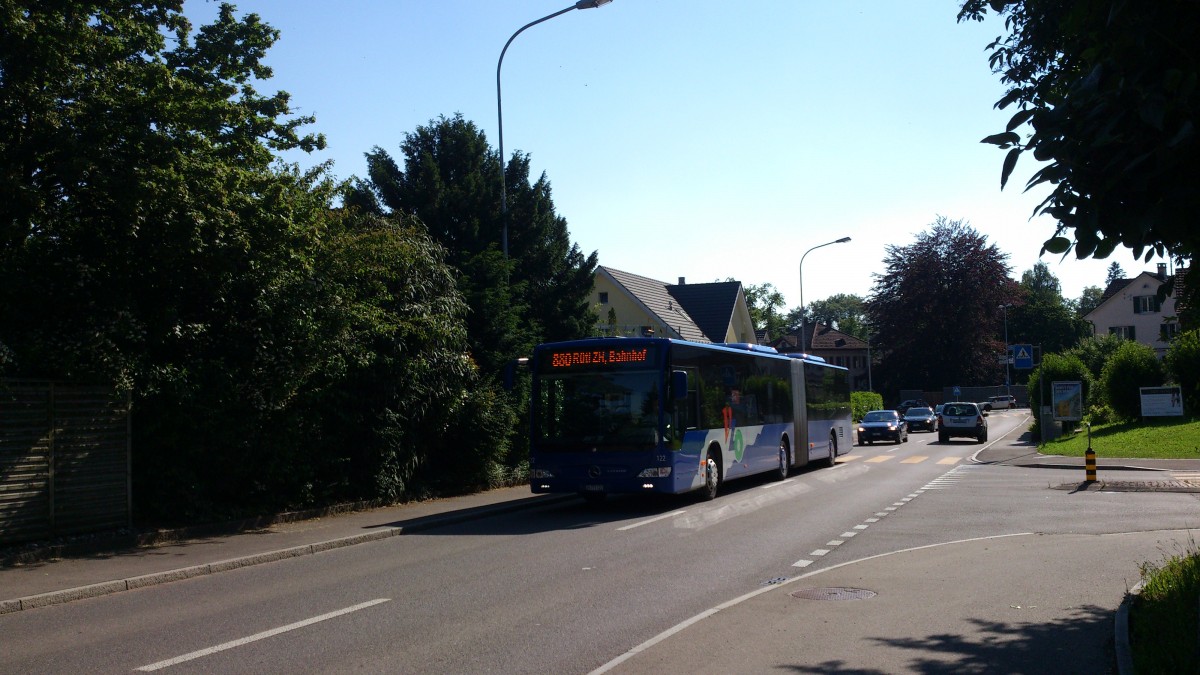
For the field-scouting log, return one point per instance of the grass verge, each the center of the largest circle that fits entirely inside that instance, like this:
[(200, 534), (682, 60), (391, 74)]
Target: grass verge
[(1165, 438), (1164, 619)]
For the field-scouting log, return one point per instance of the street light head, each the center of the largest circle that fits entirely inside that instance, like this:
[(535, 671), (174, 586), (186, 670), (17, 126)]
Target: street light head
[(591, 4), (842, 240)]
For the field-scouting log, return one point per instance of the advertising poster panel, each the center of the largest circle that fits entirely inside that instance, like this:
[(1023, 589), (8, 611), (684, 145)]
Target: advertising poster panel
[(1067, 399), (1162, 401)]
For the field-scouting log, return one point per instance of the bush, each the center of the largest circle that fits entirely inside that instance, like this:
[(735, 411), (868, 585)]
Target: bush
[(862, 401), (1183, 365), (1065, 367), (1100, 414), (1058, 368), (1132, 366)]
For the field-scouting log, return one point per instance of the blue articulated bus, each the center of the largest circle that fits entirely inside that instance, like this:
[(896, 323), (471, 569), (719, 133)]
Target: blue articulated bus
[(638, 415)]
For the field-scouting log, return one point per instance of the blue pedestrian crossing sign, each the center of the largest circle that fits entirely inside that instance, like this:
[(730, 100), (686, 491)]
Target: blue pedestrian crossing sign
[(1022, 357)]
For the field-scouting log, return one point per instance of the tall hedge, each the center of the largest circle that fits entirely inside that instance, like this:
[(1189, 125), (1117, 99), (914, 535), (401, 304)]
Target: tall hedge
[(1132, 366), (1183, 365)]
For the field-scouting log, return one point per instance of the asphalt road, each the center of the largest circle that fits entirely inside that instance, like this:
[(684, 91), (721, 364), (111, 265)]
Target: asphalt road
[(960, 558)]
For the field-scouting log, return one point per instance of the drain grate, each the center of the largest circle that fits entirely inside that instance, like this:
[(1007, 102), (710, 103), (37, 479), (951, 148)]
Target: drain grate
[(835, 593)]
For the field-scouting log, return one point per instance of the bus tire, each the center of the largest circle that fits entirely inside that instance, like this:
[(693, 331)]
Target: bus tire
[(785, 461), (833, 450), (712, 476)]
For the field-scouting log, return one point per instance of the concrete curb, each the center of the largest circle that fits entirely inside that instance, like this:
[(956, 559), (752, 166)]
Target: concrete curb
[(120, 585), (1121, 645)]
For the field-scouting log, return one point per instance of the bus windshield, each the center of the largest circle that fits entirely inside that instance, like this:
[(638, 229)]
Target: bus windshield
[(612, 410)]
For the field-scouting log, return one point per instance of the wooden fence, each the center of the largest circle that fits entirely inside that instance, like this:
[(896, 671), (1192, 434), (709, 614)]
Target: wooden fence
[(64, 460)]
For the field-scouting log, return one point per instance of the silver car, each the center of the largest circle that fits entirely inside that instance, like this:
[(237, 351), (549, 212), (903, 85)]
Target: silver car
[(961, 418)]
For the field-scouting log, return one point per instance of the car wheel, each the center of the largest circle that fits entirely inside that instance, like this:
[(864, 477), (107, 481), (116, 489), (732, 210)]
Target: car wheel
[(983, 437)]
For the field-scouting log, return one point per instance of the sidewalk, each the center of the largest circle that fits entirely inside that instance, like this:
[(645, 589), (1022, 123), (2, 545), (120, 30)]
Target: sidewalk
[(88, 570)]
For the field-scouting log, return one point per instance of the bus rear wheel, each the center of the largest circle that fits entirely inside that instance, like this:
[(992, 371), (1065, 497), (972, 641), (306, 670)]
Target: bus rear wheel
[(712, 477), (784, 461)]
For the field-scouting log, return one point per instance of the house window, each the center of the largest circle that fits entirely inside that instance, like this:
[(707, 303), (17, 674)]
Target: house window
[(1168, 331), (603, 298), (1123, 332), (1145, 304)]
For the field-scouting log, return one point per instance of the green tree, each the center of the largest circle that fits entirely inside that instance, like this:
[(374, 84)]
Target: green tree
[(1043, 317), (1115, 273), (451, 182), (1106, 93), (764, 302), (1089, 300), (1182, 362), (280, 352), (1094, 351), (934, 309), (844, 311), (1132, 366)]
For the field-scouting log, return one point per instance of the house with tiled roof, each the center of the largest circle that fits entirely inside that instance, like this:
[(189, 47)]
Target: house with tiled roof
[(836, 347), (633, 305), (1130, 308)]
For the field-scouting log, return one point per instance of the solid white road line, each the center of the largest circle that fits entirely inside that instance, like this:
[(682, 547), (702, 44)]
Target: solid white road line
[(259, 636)]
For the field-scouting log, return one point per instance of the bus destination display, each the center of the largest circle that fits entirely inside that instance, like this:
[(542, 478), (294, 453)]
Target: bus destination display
[(598, 358)]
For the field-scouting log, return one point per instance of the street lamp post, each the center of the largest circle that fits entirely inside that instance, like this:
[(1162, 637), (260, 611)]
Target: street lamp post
[(1007, 355), (582, 4), (803, 346)]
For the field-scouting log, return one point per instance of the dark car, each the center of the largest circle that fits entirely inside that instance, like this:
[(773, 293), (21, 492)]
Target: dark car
[(920, 419), (882, 425), (911, 403)]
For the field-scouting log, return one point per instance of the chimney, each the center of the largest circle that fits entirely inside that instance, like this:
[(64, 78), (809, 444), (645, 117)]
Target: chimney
[(1162, 271), (682, 281)]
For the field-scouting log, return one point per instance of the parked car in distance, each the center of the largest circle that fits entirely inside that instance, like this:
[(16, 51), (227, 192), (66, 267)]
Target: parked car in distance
[(1002, 402), (960, 419), (882, 425), (920, 419), (911, 403)]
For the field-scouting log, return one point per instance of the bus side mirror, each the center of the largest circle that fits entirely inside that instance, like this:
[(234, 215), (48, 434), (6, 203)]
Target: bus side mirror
[(679, 384), (510, 372)]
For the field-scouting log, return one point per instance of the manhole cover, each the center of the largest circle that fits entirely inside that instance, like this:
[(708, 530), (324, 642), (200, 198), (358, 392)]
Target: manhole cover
[(833, 594)]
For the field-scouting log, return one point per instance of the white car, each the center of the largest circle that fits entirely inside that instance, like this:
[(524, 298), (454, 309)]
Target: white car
[(1003, 402)]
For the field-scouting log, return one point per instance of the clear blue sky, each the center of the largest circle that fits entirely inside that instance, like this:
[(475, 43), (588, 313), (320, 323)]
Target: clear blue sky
[(705, 139)]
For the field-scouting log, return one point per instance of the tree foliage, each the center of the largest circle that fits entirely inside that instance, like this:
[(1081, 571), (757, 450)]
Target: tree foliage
[(1182, 362), (1107, 95), (764, 302), (1088, 300), (934, 309), (844, 311), (1043, 317), (451, 182), (1058, 368), (280, 352), (1115, 273), (1132, 366)]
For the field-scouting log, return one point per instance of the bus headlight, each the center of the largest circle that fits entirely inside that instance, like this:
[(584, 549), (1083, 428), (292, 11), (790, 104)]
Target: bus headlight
[(540, 474), (655, 472)]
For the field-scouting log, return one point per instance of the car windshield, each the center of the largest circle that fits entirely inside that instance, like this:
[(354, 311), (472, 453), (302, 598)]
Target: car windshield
[(919, 412), (958, 410), (879, 416)]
